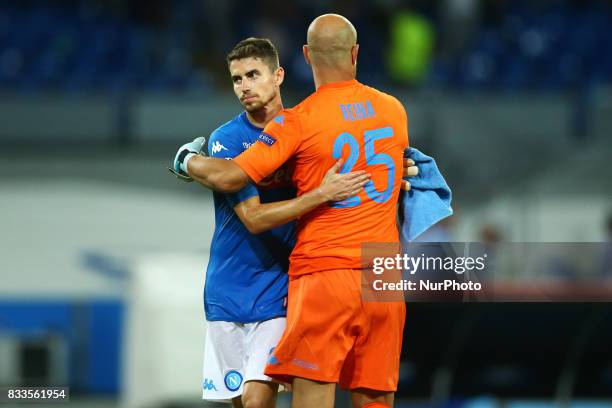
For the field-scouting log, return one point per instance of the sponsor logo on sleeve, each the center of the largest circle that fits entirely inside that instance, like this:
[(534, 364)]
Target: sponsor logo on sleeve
[(267, 139)]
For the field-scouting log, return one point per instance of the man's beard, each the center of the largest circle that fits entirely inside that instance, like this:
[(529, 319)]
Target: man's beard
[(254, 106), (257, 105)]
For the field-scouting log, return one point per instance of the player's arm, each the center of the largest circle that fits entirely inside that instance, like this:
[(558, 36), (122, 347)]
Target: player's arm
[(225, 176), (278, 141), (220, 175), (217, 173), (258, 217), (228, 176)]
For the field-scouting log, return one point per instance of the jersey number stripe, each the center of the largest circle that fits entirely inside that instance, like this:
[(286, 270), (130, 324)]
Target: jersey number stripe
[(372, 159)]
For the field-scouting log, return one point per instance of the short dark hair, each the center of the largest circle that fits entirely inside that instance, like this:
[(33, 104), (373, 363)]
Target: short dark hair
[(252, 47)]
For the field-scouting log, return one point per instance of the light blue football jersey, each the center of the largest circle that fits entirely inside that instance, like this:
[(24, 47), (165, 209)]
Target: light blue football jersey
[(246, 279)]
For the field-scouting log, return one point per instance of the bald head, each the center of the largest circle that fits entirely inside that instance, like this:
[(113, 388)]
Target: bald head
[(331, 38)]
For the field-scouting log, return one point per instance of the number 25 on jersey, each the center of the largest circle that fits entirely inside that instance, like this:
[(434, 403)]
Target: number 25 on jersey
[(371, 158)]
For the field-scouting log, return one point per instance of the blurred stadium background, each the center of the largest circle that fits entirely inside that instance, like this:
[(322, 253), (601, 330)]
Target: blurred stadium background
[(102, 252)]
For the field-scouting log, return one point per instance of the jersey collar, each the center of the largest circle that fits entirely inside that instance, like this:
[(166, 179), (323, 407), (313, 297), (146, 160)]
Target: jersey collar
[(244, 118), (340, 84)]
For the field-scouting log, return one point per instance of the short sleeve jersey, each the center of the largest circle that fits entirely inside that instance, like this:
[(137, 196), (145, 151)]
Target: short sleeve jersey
[(246, 279), (369, 130)]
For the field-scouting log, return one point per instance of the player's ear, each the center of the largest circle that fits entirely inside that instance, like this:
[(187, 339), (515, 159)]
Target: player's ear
[(354, 52), (279, 76), (305, 51)]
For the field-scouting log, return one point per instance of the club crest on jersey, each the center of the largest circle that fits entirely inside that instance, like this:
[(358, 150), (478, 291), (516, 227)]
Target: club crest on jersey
[(233, 380), (267, 139)]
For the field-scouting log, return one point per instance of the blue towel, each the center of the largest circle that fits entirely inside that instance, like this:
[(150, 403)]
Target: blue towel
[(429, 199)]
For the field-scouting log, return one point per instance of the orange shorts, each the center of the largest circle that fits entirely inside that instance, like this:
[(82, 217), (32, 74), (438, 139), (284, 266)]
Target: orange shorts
[(333, 336)]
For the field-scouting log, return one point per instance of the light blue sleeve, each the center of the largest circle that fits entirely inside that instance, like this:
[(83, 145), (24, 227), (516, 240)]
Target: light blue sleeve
[(247, 192)]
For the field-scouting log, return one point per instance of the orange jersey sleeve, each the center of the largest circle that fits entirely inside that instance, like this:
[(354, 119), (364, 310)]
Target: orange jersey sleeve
[(279, 141)]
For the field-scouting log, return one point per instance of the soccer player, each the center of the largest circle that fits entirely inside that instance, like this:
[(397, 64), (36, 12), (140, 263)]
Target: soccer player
[(246, 281), (332, 336)]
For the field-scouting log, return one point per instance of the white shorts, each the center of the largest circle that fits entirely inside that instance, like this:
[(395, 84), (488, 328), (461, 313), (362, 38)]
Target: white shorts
[(235, 353)]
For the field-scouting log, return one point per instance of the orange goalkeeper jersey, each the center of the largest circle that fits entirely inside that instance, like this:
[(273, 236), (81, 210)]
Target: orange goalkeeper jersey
[(369, 130)]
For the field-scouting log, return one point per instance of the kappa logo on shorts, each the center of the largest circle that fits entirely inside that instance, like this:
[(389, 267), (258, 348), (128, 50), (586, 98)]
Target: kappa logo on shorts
[(209, 385), (233, 380), (267, 139)]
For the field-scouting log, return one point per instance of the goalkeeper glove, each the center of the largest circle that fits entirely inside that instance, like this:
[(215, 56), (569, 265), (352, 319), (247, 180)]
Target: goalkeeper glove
[(184, 153)]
